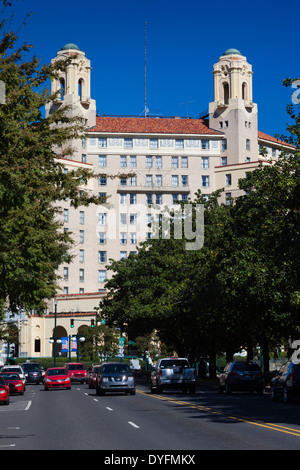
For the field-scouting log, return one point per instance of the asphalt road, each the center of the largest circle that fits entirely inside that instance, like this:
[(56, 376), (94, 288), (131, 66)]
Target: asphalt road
[(171, 422)]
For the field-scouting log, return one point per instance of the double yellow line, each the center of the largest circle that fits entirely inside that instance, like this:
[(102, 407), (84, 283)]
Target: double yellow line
[(271, 426)]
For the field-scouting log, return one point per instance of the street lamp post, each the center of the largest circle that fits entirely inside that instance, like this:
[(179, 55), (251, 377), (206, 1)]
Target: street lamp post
[(55, 340)]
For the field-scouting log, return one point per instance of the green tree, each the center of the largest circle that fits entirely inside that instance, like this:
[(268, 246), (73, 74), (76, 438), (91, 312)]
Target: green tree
[(32, 178)]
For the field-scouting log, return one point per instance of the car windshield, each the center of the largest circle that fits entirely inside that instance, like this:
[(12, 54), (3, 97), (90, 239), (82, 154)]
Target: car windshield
[(10, 376), (76, 367), (29, 367), (115, 368), (12, 369), (245, 367), (174, 363), (57, 372)]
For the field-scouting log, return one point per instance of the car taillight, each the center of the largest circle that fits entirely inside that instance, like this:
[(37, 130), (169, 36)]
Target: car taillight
[(160, 372), (233, 373)]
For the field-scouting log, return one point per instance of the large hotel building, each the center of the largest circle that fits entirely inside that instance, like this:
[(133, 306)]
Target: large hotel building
[(168, 159)]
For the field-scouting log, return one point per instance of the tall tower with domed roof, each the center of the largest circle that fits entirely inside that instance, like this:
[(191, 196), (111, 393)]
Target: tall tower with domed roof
[(233, 110), (74, 85)]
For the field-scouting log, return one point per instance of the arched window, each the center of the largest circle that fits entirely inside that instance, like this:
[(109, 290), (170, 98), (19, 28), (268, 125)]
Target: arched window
[(226, 92), (80, 88), (244, 91), (62, 88)]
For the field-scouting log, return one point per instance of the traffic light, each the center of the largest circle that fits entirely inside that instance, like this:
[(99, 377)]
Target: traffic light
[(72, 323), (92, 323)]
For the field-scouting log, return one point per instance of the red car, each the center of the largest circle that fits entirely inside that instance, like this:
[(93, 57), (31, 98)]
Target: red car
[(14, 381), (4, 391), (57, 377), (78, 372)]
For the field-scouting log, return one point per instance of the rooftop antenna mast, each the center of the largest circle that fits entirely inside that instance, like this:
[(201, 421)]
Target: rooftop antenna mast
[(146, 69)]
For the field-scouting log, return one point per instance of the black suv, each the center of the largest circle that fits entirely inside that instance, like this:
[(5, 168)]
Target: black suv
[(33, 372), (238, 376), (286, 383)]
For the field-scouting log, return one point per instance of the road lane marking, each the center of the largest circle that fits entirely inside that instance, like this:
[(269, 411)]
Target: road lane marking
[(8, 445), (109, 409), (133, 424), (28, 406), (271, 426)]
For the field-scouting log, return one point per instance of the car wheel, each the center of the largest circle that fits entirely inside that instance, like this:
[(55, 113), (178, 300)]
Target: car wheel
[(132, 392), (6, 402)]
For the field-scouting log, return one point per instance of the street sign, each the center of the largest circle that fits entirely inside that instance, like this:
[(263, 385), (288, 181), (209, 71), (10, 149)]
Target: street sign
[(121, 341)]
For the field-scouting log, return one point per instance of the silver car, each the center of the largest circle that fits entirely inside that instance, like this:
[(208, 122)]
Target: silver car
[(115, 377)]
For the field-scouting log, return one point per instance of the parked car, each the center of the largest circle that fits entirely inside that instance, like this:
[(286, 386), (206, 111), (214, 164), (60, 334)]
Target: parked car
[(286, 383), (57, 377), (93, 375), (4, 391), (14, 381), (115, 377), (33, 372), (239, 376), (14, 368), (77, 372)]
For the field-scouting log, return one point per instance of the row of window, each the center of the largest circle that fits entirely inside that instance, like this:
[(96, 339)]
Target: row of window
[(104, 142), (155, 180), (130, 161)]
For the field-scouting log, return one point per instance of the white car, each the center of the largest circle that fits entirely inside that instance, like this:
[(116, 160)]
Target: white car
[(17, 369)]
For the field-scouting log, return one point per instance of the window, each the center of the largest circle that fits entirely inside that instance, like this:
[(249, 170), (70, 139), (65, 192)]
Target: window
[(102, 256), (153, 143), (224, 144), (81, 256), (223, 161), (228, 179), (66, 215), (123, 254), (220, 124), (62, 88), (133, 161), (205, 144), (102, 180), (123, 199), (123, 238), (133, 238), (132, 219), (174, 162), (81, 217), (101, 275), (132, 181), (83, 158), (179, 143), (158, 180), (123, 181), (66, 290), (184, 197), (123, 161), (102, 238), (102, 219), (226, 123), (81, 275), (102, 196), (247, 144), (83, 143), (102, 142), (184, 180), (205, 181), (148, 180), (158, 198), (205, 162), (81, 236), (148, 162), (102, 161), (128, 143), (66, 274), (37, 345), (174, 180), (174, 198), (123, 219), (158, 162), (184, 162), (148, 198), (132, 198)]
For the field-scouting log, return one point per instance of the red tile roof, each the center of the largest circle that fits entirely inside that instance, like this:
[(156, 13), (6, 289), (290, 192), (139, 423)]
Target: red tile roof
[(142, 125), (262, 135)]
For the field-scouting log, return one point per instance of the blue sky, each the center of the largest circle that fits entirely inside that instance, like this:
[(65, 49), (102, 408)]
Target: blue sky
[(184, 39)]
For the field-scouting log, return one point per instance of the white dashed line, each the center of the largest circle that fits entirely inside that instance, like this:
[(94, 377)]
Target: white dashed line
[(133, 424), (108, 408)]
